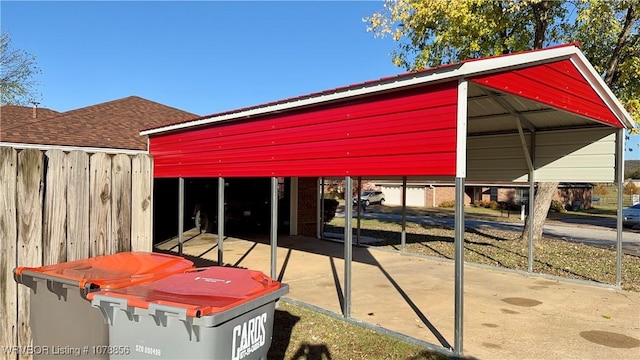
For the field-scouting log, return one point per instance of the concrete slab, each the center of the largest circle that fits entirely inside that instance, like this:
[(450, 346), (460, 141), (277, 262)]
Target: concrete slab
[(506, 315)]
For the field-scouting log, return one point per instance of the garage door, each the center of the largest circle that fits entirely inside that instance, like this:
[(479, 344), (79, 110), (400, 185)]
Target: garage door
[(393, 195)]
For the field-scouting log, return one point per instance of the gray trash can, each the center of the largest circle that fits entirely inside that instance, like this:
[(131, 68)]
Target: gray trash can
[(63, 323), (209, 313)]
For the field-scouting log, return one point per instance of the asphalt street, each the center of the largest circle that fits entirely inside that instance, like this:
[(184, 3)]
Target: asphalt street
[(592, 233)]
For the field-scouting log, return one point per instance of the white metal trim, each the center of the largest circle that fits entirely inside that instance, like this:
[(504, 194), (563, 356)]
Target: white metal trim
[(461, 128), (72, 148)]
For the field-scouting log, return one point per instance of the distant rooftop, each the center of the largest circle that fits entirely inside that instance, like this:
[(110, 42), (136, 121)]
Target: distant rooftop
[(114, 124)]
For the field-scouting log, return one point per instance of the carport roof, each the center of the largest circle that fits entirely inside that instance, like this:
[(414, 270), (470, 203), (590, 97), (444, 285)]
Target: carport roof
[(552, 88)]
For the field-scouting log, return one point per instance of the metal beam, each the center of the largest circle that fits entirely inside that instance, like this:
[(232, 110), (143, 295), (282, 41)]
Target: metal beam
[(180, 214), (348, 242), (461, 173), (358, 209), (273, 238), (523, 142), (509, 114), (619, 180), (221, 219), (532, 198), (459, 266), (403, 233), (320, 227), (502, 102)]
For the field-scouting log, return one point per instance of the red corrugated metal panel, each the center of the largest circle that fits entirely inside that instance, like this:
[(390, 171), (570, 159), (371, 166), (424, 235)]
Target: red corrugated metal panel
[(557, 84), (411, 132)]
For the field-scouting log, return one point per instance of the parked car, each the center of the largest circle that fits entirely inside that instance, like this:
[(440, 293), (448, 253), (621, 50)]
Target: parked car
[(631, 215), (370, 197)]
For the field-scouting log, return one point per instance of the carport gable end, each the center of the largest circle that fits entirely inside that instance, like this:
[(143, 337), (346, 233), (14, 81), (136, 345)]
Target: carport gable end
[(558, 84)]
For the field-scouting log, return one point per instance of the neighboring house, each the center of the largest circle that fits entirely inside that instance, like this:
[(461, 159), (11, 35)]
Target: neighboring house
[(432, 194), (634, 181), (113, 125)]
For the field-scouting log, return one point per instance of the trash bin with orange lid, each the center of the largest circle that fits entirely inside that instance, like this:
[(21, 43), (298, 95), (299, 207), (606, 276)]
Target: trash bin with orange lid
[(208, 313), (63, 323)]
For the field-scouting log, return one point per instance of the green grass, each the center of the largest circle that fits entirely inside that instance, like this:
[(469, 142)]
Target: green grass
[(500, 248), (610, 199)]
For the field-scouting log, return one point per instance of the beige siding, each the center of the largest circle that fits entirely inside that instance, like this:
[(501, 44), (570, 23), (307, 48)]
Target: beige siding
[(496, 158), (588, 155)]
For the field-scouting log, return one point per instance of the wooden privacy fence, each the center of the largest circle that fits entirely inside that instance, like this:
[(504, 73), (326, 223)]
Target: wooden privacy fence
[(57, 207)]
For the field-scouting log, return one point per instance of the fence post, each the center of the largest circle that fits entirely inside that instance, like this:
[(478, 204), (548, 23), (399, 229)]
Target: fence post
[(8, 260), (29, 205)]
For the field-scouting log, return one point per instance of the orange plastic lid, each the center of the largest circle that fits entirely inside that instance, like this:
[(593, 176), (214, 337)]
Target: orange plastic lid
[(201, 291), (117, 270)]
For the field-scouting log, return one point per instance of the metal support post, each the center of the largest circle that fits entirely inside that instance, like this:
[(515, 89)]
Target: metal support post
[(619, 180), (348, 242), (180, 214), (403, 233), (221, 219), (459, 266), (359, 209), (274, 227)]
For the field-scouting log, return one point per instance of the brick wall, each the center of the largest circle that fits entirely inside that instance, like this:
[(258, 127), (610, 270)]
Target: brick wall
[(444, 193), (307, 206), (575, 198)]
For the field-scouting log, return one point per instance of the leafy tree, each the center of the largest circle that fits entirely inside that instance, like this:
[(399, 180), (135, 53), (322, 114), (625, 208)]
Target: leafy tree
[(634, 175), (330, 207), (432, 32), (17, 69)]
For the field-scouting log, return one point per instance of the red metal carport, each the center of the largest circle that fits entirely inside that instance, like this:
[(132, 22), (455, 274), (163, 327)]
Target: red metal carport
[(542, 115)]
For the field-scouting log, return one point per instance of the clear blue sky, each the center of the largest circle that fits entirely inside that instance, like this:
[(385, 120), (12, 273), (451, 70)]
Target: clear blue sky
[(199, 56)]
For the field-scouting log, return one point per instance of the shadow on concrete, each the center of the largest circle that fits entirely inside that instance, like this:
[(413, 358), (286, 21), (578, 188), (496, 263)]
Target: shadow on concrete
[(336, 280), (417, 310), (197, 261), (333, 250), (245, 255)]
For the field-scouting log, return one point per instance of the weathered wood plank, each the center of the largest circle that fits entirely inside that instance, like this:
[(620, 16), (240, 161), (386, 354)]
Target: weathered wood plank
[(142, 209), (77, 205), (29, 248), (121, 203), (54, 237), (8, 261), (99, 204)]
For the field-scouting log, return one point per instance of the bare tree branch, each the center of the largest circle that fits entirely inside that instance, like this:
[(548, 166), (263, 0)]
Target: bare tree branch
[(17, 69)]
